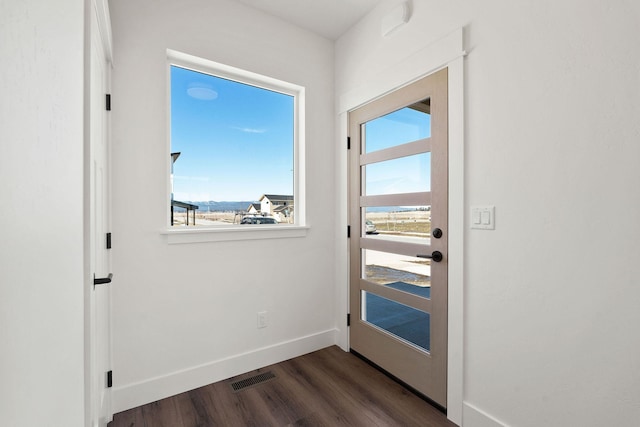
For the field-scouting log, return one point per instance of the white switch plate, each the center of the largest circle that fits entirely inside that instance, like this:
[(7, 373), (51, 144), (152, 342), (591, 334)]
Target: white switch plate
[(483, 217), (262, 319)]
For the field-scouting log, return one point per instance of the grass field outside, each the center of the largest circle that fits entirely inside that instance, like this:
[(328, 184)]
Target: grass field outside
[(404, 223)]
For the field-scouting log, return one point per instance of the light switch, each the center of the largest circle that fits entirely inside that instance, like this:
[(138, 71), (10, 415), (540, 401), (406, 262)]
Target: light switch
[(486, 218), (475, 215), (483, 217)]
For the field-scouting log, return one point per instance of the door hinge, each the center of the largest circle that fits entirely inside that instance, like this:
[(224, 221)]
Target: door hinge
[(109, 379), (108, 240), (348, 143), (348, 319), (108, 102), (348, 231)]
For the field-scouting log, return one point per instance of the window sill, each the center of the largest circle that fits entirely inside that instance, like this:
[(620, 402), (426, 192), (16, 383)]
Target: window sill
[(246, 232)]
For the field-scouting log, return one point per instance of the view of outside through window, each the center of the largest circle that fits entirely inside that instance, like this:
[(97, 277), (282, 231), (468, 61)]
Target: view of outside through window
[(232, 152), (399, 175)]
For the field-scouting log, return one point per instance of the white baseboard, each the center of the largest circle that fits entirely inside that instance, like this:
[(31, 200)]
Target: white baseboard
[(475, 417), (137, 394)]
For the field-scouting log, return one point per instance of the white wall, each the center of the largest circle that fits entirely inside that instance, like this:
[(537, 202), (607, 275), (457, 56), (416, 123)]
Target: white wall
[(41, 220), (552, 95), (185, 315)]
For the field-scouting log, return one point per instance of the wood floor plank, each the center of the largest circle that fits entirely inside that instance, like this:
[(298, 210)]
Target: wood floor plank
[(284, 406), (230, 408), (225, 405), (162, 413), (358, 386), (317, 409), (194, 408), (131, 418), (325, 388), (332, 397), (371, 388)]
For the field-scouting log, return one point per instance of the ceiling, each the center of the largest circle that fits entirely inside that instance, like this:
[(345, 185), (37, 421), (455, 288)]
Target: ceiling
[(329, 18)]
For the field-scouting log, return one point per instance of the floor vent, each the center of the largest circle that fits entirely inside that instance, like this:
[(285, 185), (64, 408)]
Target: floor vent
[(252, 381)]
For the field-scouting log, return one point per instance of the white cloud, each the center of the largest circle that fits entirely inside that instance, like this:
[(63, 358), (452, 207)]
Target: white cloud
[(250, 130)]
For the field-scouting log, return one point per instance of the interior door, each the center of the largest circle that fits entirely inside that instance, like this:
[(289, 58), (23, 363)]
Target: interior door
[(100, 288), (398, 254)]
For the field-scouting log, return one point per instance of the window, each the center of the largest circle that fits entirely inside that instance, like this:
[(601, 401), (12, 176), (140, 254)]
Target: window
[(235, 149)]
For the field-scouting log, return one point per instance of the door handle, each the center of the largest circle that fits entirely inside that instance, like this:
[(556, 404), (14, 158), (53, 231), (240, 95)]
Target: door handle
[(435, 256), (102, 280)]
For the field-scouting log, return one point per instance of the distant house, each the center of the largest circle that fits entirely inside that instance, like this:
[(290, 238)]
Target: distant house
[(254, 208), (278, 206)]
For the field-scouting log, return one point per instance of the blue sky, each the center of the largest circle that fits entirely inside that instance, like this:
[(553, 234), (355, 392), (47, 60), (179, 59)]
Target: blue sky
[(235, 140), (406, 174)]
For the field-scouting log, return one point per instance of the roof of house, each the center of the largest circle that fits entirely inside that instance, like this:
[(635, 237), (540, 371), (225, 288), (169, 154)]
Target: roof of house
[(276, 197), (184, 205), (255, 206)]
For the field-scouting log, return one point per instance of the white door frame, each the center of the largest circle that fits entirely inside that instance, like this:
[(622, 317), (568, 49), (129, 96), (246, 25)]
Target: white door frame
[(446, 52), (95, 11)]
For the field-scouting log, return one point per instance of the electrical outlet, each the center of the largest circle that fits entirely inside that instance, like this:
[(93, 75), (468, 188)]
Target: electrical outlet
[(262, 319)]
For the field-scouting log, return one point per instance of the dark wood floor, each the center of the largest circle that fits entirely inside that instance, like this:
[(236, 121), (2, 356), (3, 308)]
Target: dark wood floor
[(325, 388)]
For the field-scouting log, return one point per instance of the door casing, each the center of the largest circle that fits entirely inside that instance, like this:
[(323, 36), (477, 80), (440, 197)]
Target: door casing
[(98, 298), (447, 51)]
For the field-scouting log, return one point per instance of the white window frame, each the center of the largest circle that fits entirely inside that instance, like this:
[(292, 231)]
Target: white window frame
[(236, 232)]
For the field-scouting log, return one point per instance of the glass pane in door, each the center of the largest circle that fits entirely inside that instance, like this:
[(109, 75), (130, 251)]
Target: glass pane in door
[(403, 272), (407, 323), (395, 221), (411, 174), (405, 125)]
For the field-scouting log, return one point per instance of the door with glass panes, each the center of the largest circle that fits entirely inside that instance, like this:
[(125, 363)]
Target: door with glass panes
[(398, 253)]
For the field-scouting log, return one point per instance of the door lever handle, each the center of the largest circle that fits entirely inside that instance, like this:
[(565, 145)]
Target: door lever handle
[(435, 256), (102, 280)]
